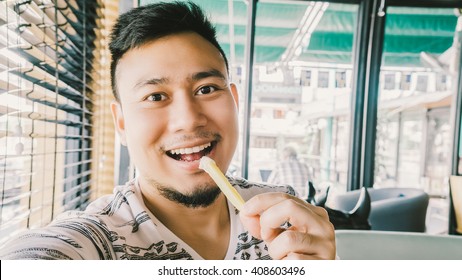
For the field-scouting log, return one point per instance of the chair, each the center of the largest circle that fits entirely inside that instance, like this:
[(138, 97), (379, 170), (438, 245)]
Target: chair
[(264, 174), (455, 184), (389, 245), (392, 209)]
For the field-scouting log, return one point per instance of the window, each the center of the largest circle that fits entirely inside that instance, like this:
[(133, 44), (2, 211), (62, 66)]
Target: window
[(441, 82), (422, 83), (305, 78), (49, 82), (405, 81), (256, 113), (309, 37), (340, 79), (323, 79), (279, 113), (413, 140), (264, 142), (389, 82)]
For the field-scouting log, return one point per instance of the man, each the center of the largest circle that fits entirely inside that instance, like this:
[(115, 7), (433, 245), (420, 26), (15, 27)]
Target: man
[(292, 172), (174, 104)]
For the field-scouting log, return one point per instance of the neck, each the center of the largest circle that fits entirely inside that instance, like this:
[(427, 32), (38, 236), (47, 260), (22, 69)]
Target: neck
[(174, 215), (195, 226)]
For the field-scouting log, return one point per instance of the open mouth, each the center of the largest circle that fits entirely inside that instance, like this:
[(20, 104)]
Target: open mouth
[(193, 153)]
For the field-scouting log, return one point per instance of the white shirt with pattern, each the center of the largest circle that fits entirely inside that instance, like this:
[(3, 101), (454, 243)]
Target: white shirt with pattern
[(119, 226)]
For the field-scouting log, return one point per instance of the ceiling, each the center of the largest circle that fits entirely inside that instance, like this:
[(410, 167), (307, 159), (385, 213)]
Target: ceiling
[(311, 31)]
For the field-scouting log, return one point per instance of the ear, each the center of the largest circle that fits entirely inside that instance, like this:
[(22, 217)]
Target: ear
[(119, 121), (235, 94)]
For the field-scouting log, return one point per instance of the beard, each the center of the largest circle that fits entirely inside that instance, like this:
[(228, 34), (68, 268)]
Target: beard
[(202, 196)]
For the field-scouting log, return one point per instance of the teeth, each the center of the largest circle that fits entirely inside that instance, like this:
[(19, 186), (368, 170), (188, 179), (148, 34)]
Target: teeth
[(187, 151)]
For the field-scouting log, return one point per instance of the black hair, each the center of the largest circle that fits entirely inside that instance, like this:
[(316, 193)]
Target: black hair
[(146, 23)]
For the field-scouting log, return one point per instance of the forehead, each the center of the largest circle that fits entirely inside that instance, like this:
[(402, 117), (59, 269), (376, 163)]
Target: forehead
[(172, 56)]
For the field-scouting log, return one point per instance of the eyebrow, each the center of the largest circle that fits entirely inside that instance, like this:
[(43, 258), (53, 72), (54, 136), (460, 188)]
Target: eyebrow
[(152, 81), (205, 74), (194, 77)]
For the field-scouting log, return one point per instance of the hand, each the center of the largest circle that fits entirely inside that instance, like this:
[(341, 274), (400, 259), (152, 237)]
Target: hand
[(310, 235)]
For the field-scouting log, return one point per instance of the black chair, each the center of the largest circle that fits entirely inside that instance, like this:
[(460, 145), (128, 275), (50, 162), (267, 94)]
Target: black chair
[(392, 209)]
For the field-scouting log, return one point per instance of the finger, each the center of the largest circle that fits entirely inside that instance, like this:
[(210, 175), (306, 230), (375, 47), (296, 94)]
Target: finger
[(292, 244), (320, 211), (301, 218), (290, 211), (252, 224), (250, 213), (261, 202)]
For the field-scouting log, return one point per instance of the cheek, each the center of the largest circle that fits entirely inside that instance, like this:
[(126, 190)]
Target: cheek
[(142, 129), (225, 116)]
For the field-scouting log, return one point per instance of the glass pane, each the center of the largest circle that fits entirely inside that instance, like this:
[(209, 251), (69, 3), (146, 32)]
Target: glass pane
[(417, 80), (301, 93)]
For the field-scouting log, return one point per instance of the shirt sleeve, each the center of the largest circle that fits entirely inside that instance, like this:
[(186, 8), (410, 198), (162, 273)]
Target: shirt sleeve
[(77, 239)]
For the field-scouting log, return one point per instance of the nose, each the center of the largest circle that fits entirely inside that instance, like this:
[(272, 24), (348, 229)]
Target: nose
[(186, 114)]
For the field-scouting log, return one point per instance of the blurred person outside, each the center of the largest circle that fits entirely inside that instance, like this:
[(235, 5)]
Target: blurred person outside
[(291, 171)]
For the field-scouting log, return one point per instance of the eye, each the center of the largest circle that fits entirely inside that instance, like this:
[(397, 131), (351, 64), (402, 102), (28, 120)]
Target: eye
[(206, 90), (156, 97)]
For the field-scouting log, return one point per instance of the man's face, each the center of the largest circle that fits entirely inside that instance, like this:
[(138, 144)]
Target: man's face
[(176, 105)]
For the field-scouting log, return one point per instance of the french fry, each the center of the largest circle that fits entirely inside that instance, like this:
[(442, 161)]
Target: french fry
[(230, 192)]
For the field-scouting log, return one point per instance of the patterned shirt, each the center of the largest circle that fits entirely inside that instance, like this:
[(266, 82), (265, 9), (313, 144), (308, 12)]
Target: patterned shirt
[(119, 226), (294, 173)]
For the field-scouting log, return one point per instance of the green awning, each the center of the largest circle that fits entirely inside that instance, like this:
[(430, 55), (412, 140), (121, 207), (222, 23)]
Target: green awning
[(409, 31)]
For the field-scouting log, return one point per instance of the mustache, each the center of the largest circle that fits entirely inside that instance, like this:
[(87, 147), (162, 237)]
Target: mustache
[(210, 136)]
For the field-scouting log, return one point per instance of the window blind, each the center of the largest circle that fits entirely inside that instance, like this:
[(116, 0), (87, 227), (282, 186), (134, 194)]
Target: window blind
[(51, 54)]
